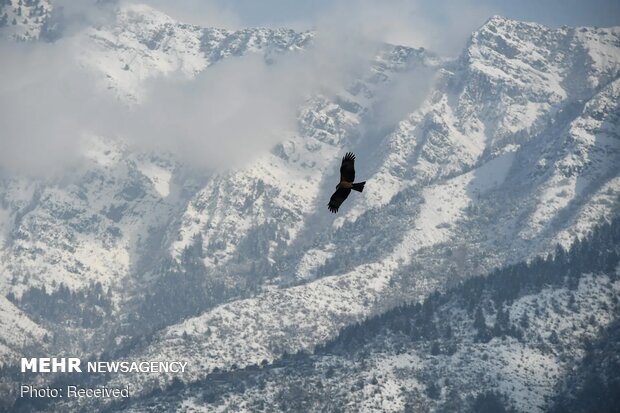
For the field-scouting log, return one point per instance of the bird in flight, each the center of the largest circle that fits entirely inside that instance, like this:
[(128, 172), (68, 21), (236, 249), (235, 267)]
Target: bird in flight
[(343, 189)]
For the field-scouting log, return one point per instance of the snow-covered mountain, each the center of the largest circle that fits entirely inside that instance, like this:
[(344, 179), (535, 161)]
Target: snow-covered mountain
[(506, 342), (514, 149), (25, 20)]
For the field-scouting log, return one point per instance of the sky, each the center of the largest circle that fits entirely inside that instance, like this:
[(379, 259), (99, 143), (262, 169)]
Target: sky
[(48, 103), (553, 13)]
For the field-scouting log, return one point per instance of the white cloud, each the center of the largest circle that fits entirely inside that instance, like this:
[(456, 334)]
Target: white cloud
[(46, 102), (224, 116), (442, 26)]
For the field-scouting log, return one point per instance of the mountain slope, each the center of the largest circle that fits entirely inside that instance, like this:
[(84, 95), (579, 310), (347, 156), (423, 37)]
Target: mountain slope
[(24, 20), (508, 341)]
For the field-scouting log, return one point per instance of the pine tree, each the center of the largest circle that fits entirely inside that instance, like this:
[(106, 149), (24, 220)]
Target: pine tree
[(481, 326), (502, 321)]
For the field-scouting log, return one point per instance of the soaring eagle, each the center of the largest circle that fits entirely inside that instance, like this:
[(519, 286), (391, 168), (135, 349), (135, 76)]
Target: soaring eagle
[(343, 189)]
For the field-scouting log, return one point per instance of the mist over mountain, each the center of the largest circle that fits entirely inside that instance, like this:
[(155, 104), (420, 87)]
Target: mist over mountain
[(163, 195)]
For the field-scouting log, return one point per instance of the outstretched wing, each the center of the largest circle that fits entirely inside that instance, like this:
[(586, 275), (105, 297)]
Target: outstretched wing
[(347, 169), (337, 199)]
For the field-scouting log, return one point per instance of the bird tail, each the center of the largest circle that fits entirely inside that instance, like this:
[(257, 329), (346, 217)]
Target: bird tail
[(359, 186)]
